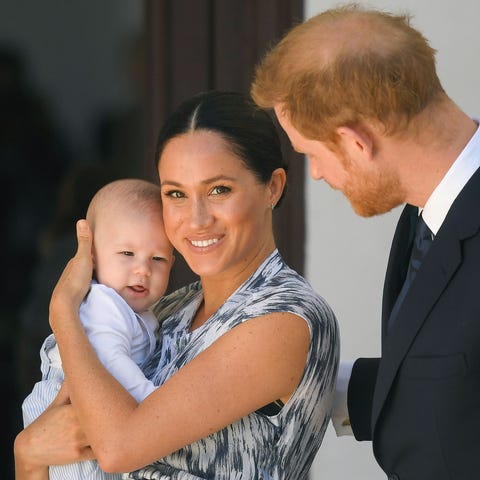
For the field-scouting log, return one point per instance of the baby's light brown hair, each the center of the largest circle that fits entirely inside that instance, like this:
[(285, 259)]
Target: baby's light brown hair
[(126, 195)]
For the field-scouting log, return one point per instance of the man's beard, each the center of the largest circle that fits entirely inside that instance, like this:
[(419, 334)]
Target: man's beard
[(372, 193)]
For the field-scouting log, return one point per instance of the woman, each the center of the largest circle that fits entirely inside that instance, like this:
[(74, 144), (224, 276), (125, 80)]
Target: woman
[(248, 358)]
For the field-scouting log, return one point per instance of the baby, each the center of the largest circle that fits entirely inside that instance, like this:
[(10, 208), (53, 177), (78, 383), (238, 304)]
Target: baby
[(132, 258)]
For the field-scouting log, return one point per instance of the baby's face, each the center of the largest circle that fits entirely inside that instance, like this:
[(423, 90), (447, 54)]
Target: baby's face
[(133, 256)]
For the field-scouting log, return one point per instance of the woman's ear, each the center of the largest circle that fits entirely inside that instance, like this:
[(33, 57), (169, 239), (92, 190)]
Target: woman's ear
[(277, 185), (357, 141)]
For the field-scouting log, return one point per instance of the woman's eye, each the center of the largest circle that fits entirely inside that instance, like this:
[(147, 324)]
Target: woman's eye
[(174, 194), (219, 189)]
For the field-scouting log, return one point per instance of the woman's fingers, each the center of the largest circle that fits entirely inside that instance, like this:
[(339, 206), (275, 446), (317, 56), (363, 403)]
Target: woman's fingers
[(84, 239), (75, 280), (54, 438)]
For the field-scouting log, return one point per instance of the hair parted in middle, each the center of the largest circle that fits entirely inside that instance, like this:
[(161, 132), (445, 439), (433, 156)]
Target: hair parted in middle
[(247, 130)]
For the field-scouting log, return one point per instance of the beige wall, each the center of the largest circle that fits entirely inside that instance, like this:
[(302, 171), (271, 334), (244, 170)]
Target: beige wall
[(346, 255)]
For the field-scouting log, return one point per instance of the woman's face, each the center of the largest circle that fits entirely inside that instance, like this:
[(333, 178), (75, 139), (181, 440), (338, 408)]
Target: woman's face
[(216, 213)]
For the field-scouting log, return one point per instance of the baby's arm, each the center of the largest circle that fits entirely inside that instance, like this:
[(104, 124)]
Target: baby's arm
[(120, 340), (45, 390)]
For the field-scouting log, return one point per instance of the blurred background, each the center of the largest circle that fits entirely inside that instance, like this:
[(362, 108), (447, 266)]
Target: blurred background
[(71, 102)]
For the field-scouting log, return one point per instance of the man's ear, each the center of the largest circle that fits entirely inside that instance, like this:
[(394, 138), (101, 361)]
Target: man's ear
[(357, 141)]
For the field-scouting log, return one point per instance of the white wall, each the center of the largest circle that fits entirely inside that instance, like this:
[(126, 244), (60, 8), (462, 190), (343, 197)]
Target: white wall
[(347, 255)]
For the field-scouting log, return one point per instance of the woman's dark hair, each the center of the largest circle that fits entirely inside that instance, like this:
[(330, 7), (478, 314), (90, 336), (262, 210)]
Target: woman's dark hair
[(248, 130)]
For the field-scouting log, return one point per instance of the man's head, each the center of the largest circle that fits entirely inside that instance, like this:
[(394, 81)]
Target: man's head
[(346, 66), (352, 88)]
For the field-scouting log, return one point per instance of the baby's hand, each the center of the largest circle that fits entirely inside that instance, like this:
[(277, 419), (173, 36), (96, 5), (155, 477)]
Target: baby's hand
[(75, 280)]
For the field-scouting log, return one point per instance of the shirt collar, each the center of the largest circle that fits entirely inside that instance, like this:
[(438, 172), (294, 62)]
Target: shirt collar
[(447, 190)]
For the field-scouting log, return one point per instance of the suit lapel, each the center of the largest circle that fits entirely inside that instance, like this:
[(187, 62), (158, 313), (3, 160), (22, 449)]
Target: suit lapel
[(398, 261), (438, 267)]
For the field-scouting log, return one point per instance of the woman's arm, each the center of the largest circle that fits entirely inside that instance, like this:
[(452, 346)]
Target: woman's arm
[(252, 365)]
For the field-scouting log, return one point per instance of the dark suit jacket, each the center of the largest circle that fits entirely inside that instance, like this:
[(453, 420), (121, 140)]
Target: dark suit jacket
[(420, 403)]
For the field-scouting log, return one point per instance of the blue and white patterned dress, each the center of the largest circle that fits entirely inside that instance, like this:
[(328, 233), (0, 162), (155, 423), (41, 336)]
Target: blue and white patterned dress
[(278, 447)]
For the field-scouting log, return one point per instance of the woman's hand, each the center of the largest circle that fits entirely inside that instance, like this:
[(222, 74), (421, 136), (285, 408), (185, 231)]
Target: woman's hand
[(75, 280), (54, 438)]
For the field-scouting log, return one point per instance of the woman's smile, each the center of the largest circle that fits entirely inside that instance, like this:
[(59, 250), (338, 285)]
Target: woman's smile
[(204, 243)]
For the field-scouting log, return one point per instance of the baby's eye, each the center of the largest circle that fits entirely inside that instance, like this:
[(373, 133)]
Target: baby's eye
[(219, 189), (158, 259), (127, 253)]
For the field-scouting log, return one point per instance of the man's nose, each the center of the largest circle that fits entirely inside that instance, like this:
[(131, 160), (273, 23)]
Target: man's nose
[(314, 169)]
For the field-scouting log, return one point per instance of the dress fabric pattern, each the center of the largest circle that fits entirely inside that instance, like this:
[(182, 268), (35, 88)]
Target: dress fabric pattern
[(279, 447)]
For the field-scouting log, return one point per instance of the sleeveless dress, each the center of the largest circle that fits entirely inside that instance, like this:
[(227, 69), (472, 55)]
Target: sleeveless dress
[(258, 446)]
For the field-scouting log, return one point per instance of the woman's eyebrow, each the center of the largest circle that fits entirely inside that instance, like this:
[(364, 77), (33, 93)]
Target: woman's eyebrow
[(206, 181)]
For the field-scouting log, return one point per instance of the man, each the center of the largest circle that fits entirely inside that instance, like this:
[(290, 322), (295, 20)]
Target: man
[(357, 92)]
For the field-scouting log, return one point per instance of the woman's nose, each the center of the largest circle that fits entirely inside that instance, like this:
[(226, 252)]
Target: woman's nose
[(200, 214)]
